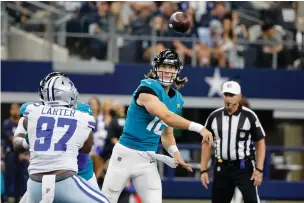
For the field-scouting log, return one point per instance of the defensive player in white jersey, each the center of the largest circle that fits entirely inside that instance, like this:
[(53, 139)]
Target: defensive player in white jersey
[(57, 133), (85, 165), (151, 116)]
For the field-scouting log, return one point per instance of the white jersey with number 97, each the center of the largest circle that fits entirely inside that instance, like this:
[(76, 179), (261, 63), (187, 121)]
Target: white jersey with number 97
[(55, 136)]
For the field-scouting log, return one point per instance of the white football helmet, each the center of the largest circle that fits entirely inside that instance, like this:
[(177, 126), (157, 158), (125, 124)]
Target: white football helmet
[(60, 91)]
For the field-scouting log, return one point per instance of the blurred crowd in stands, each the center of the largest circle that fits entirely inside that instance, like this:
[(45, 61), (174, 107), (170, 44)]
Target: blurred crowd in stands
[(223, 30)]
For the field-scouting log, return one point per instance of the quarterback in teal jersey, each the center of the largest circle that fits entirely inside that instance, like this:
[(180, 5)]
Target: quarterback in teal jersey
[(152, 115)]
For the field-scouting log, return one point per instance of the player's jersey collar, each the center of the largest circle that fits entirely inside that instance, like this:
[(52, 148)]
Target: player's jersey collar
[(171, 92)]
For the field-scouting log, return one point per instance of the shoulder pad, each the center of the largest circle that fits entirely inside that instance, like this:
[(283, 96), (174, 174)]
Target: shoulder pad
[(23, 107)]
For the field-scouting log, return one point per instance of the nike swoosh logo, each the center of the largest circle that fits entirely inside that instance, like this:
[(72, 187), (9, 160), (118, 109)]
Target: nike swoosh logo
[(148, 82)]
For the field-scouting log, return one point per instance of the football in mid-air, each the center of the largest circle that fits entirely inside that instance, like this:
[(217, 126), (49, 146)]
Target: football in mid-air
[(179, 22)]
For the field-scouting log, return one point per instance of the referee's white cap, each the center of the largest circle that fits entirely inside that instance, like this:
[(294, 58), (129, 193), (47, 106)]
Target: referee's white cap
[(231, 87)]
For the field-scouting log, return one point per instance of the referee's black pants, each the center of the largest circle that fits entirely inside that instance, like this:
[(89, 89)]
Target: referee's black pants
[(227, 176)]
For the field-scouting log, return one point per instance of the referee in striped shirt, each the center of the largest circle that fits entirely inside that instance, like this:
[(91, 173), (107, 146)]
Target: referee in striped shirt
[(238, 134)]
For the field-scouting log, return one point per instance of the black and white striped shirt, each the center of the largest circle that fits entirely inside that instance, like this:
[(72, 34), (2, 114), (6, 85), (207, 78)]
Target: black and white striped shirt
[(234, 134)]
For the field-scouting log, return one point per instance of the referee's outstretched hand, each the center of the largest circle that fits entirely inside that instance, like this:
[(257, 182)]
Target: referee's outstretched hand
[(205, 179), (207, 136)]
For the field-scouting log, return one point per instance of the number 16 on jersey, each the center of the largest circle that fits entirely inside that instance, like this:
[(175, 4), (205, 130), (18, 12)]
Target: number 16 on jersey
[(157, 125)]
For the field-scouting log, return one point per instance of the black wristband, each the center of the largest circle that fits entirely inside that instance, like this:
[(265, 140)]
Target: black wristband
[(204, 171), (259, 170)]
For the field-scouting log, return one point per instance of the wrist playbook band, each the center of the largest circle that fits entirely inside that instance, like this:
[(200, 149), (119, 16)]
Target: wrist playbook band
[(172, 149), (196, 127)]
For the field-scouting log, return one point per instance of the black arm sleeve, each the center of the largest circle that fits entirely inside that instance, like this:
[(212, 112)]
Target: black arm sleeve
[(144, 89), (257, 130), (209, 122)]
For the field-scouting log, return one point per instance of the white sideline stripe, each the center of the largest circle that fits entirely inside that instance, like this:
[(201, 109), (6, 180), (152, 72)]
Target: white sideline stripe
[(257, 194), (256, 188)]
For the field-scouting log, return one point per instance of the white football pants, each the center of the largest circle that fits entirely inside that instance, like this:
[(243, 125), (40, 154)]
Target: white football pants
[(125, 164)]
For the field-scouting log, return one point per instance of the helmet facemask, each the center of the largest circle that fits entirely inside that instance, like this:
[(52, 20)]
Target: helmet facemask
[(166, 76), (160, 65)]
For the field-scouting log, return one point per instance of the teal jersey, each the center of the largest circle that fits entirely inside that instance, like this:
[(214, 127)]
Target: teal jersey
[(142, 130), (84, 107), (87, 172), (23, 107)]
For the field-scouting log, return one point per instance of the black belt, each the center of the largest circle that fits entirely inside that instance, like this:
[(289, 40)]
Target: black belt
[(238, 162), (59, 177)]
